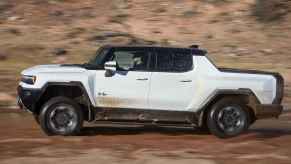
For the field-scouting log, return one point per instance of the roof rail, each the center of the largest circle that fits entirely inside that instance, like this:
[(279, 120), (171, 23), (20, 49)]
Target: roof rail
[(194, 46)]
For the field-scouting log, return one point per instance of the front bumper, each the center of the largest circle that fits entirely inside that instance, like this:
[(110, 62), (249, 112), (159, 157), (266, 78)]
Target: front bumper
[(27, 98), (268, 111)]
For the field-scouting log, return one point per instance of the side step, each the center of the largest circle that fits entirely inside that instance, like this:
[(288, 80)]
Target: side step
[(146, 117), (132, 123)]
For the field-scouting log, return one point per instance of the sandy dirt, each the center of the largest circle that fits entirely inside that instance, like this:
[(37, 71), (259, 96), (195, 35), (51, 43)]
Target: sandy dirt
[(22, 141)]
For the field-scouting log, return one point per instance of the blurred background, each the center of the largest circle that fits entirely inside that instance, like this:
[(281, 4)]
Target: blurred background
[(252, 34), (248, 34)]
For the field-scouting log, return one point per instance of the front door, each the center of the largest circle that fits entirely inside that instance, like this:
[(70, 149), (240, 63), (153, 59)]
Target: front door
[(128, 87)]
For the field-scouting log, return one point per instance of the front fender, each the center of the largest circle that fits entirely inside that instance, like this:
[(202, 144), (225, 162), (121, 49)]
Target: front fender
[(29, 97)]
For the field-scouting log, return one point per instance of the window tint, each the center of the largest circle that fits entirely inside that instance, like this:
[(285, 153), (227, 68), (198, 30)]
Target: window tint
[(164, 60), (183, 60), (133, 60), (174, 60)]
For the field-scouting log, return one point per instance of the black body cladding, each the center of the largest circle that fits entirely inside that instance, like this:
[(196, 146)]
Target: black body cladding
[(28, 97)]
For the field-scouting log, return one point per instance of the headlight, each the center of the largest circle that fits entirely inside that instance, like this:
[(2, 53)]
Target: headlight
[(28, 79)]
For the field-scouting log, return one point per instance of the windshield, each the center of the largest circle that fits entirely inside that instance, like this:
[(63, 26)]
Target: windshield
[(99, 57)]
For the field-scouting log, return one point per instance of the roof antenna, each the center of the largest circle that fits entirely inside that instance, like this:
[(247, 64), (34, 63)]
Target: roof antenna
[(194, 46)]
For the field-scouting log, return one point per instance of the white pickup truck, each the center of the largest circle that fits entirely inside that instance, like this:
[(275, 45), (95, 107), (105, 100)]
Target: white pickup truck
[(149, 85)]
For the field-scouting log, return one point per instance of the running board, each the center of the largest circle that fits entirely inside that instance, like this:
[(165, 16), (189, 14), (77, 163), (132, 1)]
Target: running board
[(132, 123), (145, 116)]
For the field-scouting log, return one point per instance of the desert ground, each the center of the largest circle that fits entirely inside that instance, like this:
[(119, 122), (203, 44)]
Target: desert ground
[(22, 141), (247, 34)]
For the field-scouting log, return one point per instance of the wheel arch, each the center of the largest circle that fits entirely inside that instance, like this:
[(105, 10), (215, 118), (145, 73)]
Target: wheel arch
[(245, 95), (70, 89)]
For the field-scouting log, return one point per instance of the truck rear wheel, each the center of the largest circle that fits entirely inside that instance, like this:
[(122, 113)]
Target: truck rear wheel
[(61, 116), (228, 118)]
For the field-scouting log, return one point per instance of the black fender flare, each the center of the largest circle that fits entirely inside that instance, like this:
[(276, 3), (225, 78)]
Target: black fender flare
[(248, 93), (74, 84)]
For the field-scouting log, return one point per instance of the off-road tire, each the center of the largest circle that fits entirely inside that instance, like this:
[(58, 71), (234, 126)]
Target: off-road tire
[(45, 118), (219, 126)]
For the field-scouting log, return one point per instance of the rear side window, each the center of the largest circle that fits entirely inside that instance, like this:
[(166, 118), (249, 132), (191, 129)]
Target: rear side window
[(174, 60), (183, 60), (164, 60)]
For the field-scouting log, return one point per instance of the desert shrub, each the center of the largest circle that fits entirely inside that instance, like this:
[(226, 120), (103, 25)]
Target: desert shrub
[(271, 10), (4, 6), (119, 18)]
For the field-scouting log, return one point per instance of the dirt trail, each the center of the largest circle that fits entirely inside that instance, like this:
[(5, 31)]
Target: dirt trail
[(21, 141)]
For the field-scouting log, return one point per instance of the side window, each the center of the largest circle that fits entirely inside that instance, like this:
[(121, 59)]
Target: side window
[(164, 60), (183, 60), (174, 60), (131, 60)]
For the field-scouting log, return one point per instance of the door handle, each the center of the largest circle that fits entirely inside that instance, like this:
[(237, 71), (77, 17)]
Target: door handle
[(186, 81), (142, 79), (102, 94)]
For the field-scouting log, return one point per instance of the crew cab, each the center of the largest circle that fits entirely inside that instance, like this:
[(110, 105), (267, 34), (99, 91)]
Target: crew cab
[(149, 85)]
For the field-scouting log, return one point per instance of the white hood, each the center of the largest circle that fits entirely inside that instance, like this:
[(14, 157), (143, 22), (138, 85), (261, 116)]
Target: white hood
[(53, 68)]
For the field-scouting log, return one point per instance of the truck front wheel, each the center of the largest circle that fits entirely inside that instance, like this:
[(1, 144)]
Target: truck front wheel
[(61, 116), (228, 118)]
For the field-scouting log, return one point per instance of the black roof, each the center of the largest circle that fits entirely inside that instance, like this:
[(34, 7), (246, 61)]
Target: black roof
[(194, 49)]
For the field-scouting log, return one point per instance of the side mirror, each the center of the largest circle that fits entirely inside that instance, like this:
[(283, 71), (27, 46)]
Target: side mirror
[(110, 68)]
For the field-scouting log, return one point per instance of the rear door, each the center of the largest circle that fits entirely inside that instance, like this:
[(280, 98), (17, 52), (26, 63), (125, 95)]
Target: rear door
[(172, 82), (129, 86)]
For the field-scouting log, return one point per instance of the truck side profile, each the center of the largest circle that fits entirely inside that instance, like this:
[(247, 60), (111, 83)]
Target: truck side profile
[(149, 85)]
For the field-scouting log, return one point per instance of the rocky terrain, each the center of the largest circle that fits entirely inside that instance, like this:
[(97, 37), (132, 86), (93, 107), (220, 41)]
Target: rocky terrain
[(253, 34)]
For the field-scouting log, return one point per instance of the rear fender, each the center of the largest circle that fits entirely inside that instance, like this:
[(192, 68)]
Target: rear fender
[(245, 95)]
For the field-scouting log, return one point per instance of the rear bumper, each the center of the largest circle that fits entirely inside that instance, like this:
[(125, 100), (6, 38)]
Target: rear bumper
[(279, 88), (268, 111)]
